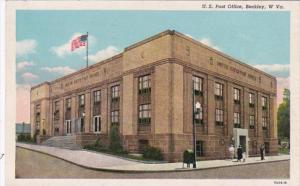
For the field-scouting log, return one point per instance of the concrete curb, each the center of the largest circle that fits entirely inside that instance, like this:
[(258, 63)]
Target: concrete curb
[(148, 171), (124, 158)]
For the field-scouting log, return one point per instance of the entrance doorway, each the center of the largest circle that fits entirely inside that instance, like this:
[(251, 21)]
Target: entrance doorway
[(243, 142), (68, 127)]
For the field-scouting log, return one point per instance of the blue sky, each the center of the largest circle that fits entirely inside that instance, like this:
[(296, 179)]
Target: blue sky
[(261, 39), (256, 38)]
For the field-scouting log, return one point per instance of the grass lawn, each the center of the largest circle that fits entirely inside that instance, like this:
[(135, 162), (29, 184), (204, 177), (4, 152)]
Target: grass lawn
[(283, 151)]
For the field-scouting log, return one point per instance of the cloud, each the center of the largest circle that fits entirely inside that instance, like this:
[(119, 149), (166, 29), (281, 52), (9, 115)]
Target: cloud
[(24, 64), (205, 41), (104, 54), (281, 70), (65, 49), (59, 70), (28, 77), (25, 47), (23, 103), (282, 83)]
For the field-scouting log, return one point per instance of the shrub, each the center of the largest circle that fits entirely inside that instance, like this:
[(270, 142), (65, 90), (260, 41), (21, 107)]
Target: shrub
[(25, 138), (153, 153), (115, 144)]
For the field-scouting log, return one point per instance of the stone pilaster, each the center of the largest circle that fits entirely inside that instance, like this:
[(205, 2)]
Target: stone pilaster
[(211, 105), (61, 116), (88, 115), (230, 109), (245, 107), (273, 117)]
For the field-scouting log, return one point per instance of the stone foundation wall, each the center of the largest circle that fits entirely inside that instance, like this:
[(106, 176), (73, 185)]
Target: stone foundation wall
[(173, 146), (90, 138)]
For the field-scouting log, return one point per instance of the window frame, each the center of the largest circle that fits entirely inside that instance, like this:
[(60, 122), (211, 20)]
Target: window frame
[(114, 117), (96, 96), (144, 113), (236, 95), (115, 93), (197, 85), (251, 99), (144, 82), (264, 122), (81, 98), (237, 119), (264, 102), (252, 121), (219, 89), (97, 124), (199, 152), (68, 103), (219, 116), (199, 115)]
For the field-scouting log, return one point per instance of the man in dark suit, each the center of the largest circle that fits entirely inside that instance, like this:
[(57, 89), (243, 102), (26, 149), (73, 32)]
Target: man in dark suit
[(262, 151), (240, 153)]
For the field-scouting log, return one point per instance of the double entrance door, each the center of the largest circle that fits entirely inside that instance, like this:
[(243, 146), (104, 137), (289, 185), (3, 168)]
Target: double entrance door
[(68, 127)]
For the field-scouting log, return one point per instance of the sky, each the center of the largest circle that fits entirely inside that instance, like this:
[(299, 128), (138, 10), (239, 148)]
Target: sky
[(260, 39)]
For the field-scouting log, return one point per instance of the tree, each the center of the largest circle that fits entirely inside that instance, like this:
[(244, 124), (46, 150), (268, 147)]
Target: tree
[(115, 140), (283, 116)]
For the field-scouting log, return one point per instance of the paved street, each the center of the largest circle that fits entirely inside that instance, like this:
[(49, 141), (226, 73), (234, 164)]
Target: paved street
[(101, 161), (30, 164)]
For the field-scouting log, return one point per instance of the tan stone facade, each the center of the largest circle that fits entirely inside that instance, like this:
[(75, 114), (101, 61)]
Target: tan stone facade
[(148, 92)]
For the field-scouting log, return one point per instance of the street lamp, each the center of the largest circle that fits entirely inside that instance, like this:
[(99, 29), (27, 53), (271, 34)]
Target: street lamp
[(196, 108)]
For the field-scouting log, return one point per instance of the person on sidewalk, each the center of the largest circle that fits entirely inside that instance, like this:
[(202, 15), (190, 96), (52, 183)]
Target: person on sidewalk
[(262, 151), (244, 156), (231, 152), (240, 153)]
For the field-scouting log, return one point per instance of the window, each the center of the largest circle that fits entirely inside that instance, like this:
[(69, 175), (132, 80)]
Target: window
[(197, 84), (38, 108), (56, 110), (68, 103), (115, 117), (199, 115), (56, 105), (264, 123), (68, 125), (218, 89), (251, 121), (237, 120), (251, 99), (144, 114), (97, 96), (81, 100), (144, 82), (264, 102), (97, 123), (37, 116), (199, 148), (97, 105), (219, 117), (115, 93), (236, 95)]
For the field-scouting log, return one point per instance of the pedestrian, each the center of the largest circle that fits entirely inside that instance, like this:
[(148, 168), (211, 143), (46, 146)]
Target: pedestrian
[(244, 156), (231, 152), (262, 151), (240, 153)]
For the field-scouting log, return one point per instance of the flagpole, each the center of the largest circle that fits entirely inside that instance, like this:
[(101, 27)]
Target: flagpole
[(87, 50)]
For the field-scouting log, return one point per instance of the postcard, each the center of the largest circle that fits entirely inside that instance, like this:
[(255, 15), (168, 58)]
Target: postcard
[(165, 92)]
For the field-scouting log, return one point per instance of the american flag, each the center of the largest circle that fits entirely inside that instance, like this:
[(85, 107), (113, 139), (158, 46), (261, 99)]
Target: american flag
[(78, 42)]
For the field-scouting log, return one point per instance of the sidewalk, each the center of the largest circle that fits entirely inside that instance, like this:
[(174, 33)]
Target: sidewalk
[(100, 161)]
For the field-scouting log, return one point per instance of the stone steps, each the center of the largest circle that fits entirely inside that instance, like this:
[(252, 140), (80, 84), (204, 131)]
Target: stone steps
[(67, 142)]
